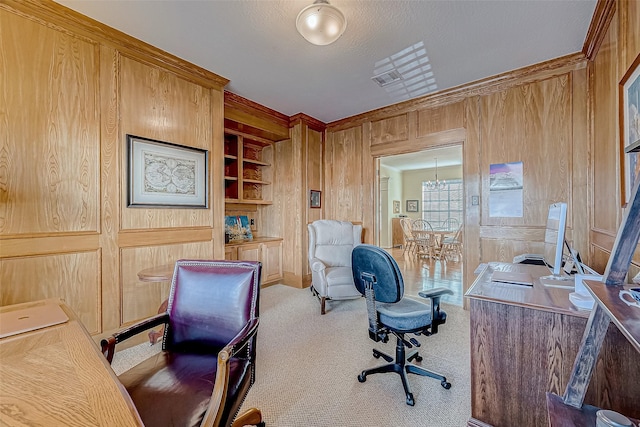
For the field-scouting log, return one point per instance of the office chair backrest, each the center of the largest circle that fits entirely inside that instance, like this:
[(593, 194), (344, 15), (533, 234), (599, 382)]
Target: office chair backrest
[(210, 302), (389, 286)]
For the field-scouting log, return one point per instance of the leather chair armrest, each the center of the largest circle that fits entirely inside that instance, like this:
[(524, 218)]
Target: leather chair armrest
[(108, 345), (242, 338)]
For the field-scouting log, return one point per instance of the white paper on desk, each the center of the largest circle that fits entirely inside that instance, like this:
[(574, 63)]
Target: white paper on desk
[(513, 277)]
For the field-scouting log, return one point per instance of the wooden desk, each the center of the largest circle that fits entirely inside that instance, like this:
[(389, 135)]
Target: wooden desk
[(57, 376), (524, 341)]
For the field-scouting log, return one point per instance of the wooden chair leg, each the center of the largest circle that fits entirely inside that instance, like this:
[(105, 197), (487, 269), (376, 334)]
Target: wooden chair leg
[(322, 305), (250, 417)]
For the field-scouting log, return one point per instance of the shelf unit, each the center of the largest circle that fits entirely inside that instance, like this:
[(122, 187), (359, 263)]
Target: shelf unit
[(569, 410), (247, 168)]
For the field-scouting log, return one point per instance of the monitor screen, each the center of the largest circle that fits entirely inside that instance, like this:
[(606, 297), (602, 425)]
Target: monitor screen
[(554, 237)]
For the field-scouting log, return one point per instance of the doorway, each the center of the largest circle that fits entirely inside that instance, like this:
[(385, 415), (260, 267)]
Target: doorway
[(424, 185)]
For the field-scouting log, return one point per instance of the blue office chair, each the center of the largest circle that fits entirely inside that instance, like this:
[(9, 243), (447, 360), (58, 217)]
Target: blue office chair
[(378, 278)]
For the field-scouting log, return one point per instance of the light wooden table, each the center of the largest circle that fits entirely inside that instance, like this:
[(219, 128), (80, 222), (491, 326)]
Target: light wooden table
[(57, 376)]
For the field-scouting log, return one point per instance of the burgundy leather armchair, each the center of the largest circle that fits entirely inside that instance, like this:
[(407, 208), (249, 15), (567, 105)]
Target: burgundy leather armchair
[(207, 363)]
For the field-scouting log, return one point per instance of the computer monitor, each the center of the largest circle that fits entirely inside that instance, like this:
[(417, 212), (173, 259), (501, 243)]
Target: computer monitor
[(554, 240)]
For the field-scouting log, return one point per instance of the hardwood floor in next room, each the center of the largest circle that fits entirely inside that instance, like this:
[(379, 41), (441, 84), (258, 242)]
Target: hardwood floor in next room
[(422, 274)]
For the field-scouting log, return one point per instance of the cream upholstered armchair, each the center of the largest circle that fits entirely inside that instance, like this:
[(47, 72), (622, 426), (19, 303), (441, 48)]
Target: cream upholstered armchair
[(330, 246)]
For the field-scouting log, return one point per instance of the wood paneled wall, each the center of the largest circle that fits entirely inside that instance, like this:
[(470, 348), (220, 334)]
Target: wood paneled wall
[(537, 116), (71, 90), (299, 167), (620, 46)]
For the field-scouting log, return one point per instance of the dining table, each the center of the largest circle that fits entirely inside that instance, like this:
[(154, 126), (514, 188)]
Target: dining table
[(429, 242)]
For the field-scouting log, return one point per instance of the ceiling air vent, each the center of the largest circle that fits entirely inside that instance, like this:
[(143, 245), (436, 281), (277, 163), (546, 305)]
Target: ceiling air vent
[(385, 79)]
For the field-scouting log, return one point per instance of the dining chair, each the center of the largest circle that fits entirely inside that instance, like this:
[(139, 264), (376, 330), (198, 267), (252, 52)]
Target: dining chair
[(451, 224), (409, 238), (426, 240), (452, 246)]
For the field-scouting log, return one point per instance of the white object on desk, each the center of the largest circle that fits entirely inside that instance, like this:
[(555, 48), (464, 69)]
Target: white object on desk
[(581, 298)]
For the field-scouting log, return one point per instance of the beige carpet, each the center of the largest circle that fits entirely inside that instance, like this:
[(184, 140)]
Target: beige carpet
[(307, 368)]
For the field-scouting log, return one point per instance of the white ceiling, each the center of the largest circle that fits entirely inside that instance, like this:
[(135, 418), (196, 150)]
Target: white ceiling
[(254, 43)]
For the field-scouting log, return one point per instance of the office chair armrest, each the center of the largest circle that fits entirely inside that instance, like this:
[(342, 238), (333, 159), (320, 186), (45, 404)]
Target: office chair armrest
[(108, 345), (438, 317), (242, 338), (435, 292)]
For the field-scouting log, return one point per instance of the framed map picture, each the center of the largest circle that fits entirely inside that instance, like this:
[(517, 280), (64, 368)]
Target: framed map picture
[(165, 175)]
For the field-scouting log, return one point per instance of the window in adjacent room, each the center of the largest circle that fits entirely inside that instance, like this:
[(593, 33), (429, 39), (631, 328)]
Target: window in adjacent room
[(440, 204)]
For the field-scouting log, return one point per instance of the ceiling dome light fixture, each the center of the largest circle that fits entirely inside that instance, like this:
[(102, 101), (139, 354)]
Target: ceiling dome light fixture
[(321, 23)]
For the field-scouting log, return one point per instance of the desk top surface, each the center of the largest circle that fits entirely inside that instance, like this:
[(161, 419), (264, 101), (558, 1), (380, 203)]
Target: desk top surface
[(57, 376), (538, 296)]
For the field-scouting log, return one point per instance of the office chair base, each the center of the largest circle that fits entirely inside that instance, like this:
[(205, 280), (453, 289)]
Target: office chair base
[(402, 368)]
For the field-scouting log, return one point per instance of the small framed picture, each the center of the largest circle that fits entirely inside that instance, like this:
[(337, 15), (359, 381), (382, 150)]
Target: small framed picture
[(166, 175), (315, 198), (412, 206), (396, 206)]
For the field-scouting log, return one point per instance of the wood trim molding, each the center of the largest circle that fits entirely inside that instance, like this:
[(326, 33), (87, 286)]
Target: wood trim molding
[(602, 16), (312, 123), (58, 16), (497, 83), (162, 237)]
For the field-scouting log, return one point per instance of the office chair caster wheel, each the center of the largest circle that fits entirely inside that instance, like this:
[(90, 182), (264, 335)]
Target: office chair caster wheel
[(410, 400), (446, 385), (418, 358), (362, 377)]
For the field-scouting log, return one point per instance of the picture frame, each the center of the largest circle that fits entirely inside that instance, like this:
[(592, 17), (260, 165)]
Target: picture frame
[(396, 206), (412, 206), (629, 109), (315, 199), (166, 175)]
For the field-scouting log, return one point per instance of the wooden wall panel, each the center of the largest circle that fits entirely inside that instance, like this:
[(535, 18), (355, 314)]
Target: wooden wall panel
[(315, 175), (438, 119), (391, 129), (629, 23), (157, 104), (142, 299), (344, 162), (532, 124), (72, 90), (285, 215), (74, 277), (50, 116), (606, 185)]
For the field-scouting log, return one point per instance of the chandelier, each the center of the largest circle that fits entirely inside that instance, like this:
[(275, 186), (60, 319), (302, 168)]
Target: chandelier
[(437, 184)]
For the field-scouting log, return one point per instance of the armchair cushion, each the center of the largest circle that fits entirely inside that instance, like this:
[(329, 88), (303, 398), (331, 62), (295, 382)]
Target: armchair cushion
[(175, 388)]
